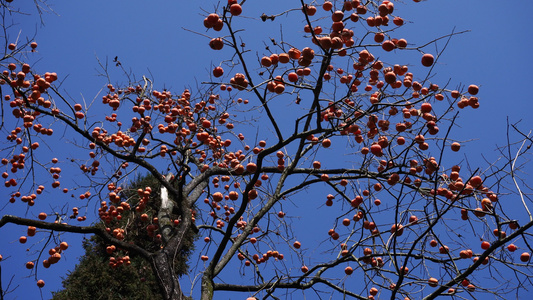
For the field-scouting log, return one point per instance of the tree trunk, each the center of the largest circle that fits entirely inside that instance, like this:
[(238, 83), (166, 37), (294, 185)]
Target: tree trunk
[(167, 278), (207, 286)]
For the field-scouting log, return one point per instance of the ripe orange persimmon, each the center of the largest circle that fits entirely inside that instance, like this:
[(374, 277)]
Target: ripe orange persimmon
[(206, 124), (455, 146), (293, 77), (397, 228), (311, 10), (348, 270), (337, 16), (475, 181), (427, 60), (388, 45), (219, 25), (251, 167), (144, 218), (473, 89), (279, 88), (40, 283), (29, 265), (63, 246), (235, 9), (413, 219), (499, 233), (485, 245), (327, 6), (233, 195), (252, 194), (31, 230), (326, 143), (425, 107), (397, 21), (402, 43), (216, 44), (109, 249), (400, 140), (512, 225), (217, 197), (294, 53), (218, 71), (266, 61), (524, 257), (433, 282), (212, 19), (283, 58), (379, 37), (376, 150), (390, 77)]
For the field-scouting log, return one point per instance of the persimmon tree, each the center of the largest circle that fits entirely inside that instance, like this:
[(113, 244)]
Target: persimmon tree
[(336, 132)]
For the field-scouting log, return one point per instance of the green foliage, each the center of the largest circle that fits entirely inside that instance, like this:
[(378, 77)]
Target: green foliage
[(98, 276), (93, 278)]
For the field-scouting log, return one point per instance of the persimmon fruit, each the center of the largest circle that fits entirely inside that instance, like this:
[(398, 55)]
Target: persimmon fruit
[(235, 9), (427, 60), (433, 282), (524, 257), (455, 146), (216, 44), (218, 71), (40, 283)]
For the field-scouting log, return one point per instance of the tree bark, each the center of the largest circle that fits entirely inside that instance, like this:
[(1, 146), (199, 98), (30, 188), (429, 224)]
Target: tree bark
[(207, 286), (167, 278)]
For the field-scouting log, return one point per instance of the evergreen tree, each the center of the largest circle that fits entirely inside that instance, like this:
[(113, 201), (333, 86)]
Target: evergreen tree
[(105, 272), (93, 278)]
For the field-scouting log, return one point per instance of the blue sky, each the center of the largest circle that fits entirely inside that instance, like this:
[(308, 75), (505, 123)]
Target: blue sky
[(149, 39)]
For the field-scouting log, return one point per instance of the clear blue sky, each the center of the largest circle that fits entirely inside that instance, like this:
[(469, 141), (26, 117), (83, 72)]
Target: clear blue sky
[(149, 39)]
